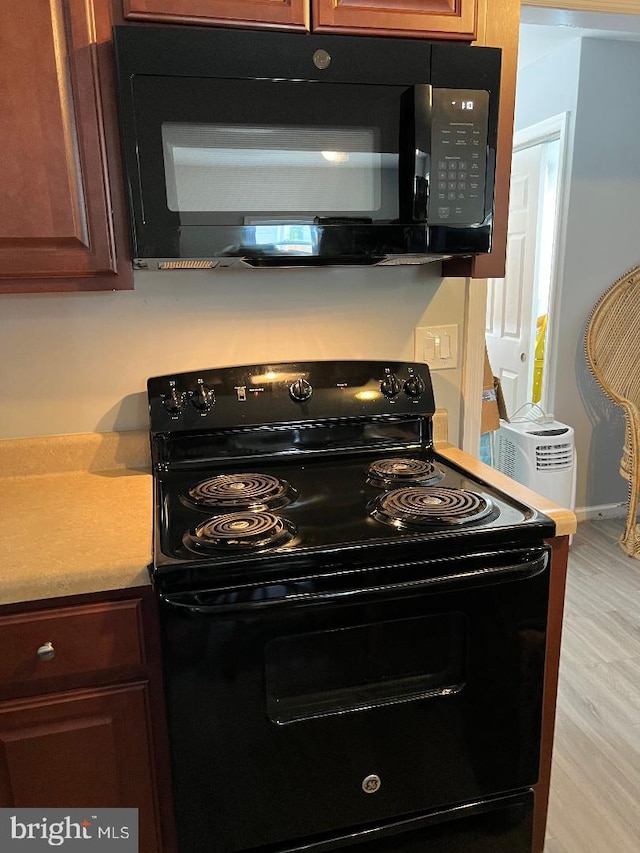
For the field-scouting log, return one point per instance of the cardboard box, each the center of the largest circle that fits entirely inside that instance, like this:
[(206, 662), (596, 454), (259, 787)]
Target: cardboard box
[(493, 407), (502, 408)]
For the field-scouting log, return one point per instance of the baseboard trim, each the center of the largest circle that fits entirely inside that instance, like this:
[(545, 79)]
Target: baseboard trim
[(592, 513)]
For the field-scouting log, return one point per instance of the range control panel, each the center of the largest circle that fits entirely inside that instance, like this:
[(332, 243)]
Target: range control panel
[(227, 397), (458, 156)]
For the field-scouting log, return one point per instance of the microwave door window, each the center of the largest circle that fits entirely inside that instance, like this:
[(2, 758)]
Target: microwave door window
[(267, 165), (279, 171)]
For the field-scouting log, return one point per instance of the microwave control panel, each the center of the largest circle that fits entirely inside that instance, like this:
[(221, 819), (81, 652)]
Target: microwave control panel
[(458, 156)]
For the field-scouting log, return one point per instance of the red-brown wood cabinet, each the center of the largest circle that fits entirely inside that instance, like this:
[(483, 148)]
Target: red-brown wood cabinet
[(62, 217), (81, 710), (265, 14), (426, 18)]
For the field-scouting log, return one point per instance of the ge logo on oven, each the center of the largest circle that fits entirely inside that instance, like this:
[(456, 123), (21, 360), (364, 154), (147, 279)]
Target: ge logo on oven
[(371, 784)]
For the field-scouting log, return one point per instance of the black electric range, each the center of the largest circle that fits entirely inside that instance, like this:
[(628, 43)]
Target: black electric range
[(353, 627)]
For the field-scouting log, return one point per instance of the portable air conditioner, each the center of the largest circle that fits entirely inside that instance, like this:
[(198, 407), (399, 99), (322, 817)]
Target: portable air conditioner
[(541, 456)]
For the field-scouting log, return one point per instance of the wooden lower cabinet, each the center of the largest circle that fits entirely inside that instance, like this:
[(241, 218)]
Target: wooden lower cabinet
[(80, 749), (82, 721)]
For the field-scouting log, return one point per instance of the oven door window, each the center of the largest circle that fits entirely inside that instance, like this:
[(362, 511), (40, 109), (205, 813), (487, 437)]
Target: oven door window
[(334, 672), (258, 162)]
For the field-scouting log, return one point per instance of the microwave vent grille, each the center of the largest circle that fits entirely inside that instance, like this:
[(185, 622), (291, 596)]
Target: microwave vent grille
[(187, 265)]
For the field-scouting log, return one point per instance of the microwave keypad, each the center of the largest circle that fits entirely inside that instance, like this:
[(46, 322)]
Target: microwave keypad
[(458, 156)]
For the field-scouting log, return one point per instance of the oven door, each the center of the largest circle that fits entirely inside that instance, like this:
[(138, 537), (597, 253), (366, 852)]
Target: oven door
[(344, 700)]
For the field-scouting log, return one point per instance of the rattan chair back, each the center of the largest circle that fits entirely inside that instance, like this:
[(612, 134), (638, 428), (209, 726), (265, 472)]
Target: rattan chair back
[(612, 346)]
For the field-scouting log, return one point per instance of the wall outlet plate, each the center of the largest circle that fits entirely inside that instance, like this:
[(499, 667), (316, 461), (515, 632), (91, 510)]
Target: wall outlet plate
[(437, 345)]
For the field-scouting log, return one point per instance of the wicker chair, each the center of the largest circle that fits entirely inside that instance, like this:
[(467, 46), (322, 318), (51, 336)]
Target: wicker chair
[(612, 345)]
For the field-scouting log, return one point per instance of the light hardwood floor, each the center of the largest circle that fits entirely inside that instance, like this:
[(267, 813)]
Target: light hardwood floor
[(595, 779)]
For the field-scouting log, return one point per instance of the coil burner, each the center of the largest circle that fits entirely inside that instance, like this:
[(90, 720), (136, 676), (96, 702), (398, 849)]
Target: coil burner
[(227, 492), (416, 507), (387, 473), (240, 531)]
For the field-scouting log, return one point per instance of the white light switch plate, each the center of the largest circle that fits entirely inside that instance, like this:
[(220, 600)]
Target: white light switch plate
[(437, 345)]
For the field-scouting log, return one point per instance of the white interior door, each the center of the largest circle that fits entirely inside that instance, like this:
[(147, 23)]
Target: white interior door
[(509, 328)]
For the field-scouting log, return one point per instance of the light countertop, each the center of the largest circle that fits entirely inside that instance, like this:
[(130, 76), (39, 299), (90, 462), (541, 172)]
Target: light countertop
[(75, 515), (565, 519), (76, 511)]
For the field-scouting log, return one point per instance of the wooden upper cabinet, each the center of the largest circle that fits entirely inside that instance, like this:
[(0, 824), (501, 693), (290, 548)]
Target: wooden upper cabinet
[(280, 14), (454, 19), (422, 18), (57, 227)]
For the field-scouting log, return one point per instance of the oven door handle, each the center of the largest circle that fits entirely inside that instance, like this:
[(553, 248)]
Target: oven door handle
[(196, 602)]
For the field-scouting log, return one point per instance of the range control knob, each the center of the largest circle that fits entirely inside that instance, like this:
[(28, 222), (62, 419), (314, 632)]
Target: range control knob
[(300, 390), (203, 398), (390, 386), (175, 401), (414, 386)]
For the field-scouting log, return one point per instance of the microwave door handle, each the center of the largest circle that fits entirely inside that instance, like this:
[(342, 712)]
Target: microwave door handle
[(422, 107), (415, 151)]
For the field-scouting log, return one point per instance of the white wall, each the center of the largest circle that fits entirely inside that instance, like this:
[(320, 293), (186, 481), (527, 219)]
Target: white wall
[(548, 86), (73, 363), (597, 81), (602, 244)]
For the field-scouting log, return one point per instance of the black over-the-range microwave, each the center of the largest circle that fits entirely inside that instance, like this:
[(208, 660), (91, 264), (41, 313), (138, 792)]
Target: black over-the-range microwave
[(291, 149)]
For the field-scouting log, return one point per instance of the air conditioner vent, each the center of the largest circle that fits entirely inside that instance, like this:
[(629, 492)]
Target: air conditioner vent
[(507, 455), (554, 457)]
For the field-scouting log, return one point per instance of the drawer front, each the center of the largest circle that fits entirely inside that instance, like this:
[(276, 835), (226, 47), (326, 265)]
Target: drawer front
[(70, 642)]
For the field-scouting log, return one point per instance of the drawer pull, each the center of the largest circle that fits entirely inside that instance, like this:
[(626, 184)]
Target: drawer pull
[(46, 651)]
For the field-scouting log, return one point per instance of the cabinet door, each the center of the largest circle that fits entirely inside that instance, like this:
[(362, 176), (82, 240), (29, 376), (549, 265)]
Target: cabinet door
[(88, 748), (279, 14), (455, 19), (57, 229)]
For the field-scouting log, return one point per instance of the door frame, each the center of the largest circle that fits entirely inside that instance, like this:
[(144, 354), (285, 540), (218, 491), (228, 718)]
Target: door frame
[(555, 127)]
